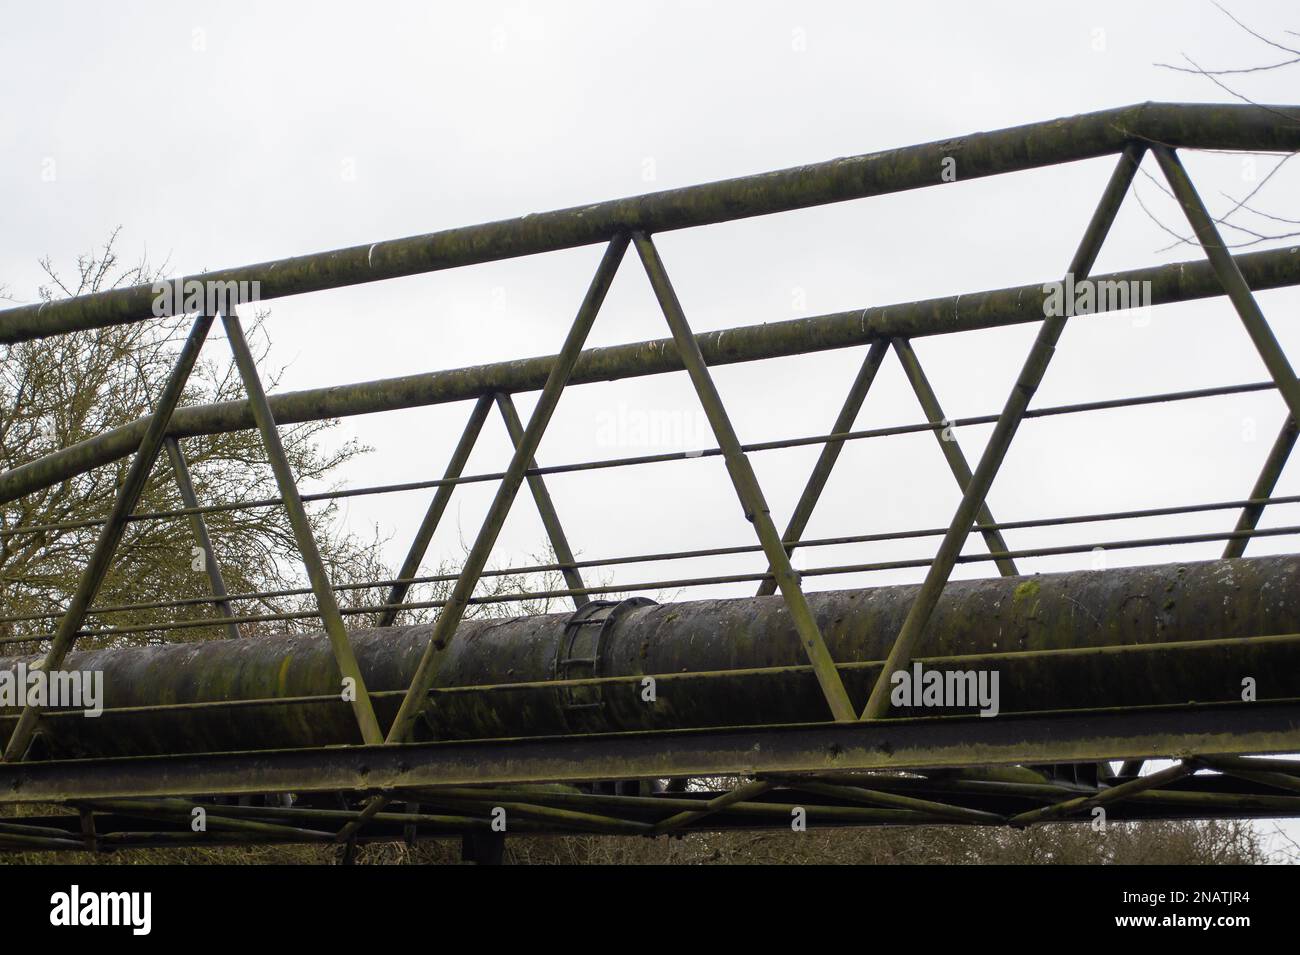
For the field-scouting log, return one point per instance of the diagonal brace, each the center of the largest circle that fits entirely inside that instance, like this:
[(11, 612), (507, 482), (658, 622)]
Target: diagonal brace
[(181, 471), (1234, 284), (1105, 796), (1257, 327), (437, 507), (1263, 489), (128, 496), (1013, 412), (545, 506), (326, 602), (830, 454), (417, 695), (952, 451), (844, 421), (876, 797), (745, 483), (716, 804)]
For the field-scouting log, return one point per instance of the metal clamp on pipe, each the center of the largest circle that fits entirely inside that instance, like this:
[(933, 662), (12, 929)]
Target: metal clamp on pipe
[(578, 657)]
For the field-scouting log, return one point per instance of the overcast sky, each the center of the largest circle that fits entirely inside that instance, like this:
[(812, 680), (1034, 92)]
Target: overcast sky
[(224, 134)]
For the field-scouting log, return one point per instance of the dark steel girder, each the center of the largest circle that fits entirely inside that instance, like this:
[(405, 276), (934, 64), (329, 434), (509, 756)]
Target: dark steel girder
[(1046, 723), (450, 812), (1171, 732)]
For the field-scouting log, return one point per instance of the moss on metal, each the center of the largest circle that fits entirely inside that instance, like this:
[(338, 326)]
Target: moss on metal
[(1078, 640), (1204, 126), (1179, 282)]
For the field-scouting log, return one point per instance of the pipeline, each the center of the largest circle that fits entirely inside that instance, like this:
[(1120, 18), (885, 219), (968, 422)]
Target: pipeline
[(1080, 640)]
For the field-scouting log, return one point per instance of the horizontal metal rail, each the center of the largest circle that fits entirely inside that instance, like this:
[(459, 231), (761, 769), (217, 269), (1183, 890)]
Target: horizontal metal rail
[(828, 799), (664, 457), (725, 551), (117, 823), (1179, 282), (895, 744), (1132, 543), (1086, 136)]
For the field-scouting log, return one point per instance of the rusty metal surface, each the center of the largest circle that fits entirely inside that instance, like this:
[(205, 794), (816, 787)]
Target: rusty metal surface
[(1094, 667), (971, 311), (1201, 126), (1086, 639), (906, 744)]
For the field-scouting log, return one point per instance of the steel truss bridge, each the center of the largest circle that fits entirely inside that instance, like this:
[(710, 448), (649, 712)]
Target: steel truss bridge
[(788, 692)]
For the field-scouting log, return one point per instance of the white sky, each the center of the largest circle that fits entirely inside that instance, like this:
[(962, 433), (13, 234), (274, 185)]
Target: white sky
[(219, 134)]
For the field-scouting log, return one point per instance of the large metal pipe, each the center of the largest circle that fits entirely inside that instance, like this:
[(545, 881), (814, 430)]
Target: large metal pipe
[(1202, 126), (1179, 282), (1081, 640)]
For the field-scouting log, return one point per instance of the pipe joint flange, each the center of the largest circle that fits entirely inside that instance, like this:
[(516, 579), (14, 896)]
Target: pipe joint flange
[(580, 652)]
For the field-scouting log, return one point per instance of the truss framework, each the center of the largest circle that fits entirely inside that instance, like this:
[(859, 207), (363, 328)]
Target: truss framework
[(845, 771)]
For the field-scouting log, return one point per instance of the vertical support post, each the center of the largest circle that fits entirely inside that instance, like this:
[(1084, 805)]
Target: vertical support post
[(745, 483), (199, 527), (951, 450), (326, 602), (1013, 412), (830, 453), (417, 694), (433, 516), (545, 507), (1264, 485), (128, 496), (88, 830)]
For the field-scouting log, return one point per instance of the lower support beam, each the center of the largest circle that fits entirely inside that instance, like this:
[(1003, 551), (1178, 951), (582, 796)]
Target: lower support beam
[(1088, 736), (1115, 793), (717, 804)]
